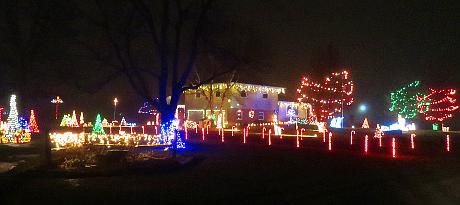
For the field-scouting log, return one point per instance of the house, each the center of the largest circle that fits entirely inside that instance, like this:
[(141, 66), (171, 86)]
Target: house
[(229, 104)]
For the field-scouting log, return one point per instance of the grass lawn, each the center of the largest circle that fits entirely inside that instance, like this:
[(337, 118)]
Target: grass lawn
[(233, 173)]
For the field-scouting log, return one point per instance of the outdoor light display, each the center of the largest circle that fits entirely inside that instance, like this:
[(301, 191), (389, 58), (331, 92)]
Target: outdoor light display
[(97, 128), (365, 124), (70, 139), (336, 122), (74, 121), (438, 105), (405, 100), (82, 119), (329, 97), (13, 123), (33, 126), (1, 113)]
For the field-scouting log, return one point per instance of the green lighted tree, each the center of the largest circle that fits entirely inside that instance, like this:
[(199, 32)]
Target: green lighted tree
[(97, 128), (404, 101)]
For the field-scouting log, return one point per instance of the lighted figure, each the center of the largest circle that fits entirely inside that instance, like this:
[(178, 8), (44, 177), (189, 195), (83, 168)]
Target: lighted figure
[(251, 114), (105, 123), (321, 127), (365, 124), (378, 132), (13, 124), (291, 113), (97, 128), (219, 121), (33, 126), (337, 122), (66, 121), (435, 126)]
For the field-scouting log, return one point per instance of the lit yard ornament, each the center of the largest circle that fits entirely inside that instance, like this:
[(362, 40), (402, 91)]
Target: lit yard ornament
[(57, 101), (33, 126), (330, 141), (366, 142), (115, 102), (97, 128), (202, 134), (393, 146), (269, 136), (66, 121), (435, 126), (105, 122), (291, 113), (337, 122), (222, 135), (123, 122), (12, 121), (447, 143), (244, 135), (412, 143), (82, 119), (351, 137), (365, 124), (251, 114), (263, 132)]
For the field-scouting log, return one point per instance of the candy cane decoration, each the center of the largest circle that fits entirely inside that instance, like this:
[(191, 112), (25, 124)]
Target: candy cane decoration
[(324, 135), (297, 138), (156, 130), (202, 131), (233, 127), (186, 133), (351, 137), (366, 140), (143, 130), (244, 135), (110, 128), (394, 147), (222, 135), (330, 141), (263, 132), (207, 129), (412, 144), (269, 137), (196, 129), (380, 141)]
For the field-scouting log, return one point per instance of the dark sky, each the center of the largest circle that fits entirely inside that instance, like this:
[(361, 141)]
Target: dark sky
[(385, 45)]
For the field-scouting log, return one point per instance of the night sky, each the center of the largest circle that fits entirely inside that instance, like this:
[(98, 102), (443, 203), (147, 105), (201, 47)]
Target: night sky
[(385, 45)]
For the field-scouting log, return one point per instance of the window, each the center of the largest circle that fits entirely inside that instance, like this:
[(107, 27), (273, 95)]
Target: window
[(217, 93), (260, 116), (239, 115), (243, 94), (265, 95), (197, 94)]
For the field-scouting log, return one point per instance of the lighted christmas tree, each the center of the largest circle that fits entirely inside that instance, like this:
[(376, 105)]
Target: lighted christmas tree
[(82, 119), (74, 121), (365, 124), (438, 105), (123, 122), (23, 123), (327, 98), (404, 101), (13, 124), (33, 126), (66, 121), (1, 113), (97, 128)]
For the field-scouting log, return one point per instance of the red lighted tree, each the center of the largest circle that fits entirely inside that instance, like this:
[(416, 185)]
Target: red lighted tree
[(327, 98), (33, 126), (440, 104)]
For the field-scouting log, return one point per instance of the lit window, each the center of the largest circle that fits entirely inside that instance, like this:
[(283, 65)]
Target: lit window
[(261, 116), (243, 94), (265, 95)]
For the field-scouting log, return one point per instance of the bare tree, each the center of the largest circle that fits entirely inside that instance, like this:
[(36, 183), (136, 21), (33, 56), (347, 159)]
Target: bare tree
[(150, 42)]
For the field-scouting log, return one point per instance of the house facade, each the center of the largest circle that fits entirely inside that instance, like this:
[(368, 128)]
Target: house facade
[(229, 104)]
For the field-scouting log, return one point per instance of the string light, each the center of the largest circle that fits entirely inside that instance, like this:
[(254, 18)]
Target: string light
[(438, 105), (328, 98), (33, 126), (366, 141), (365, 124), (393, 145), (12, 121), (240, 87), (447, 143), (404, 101), (297, 138)]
